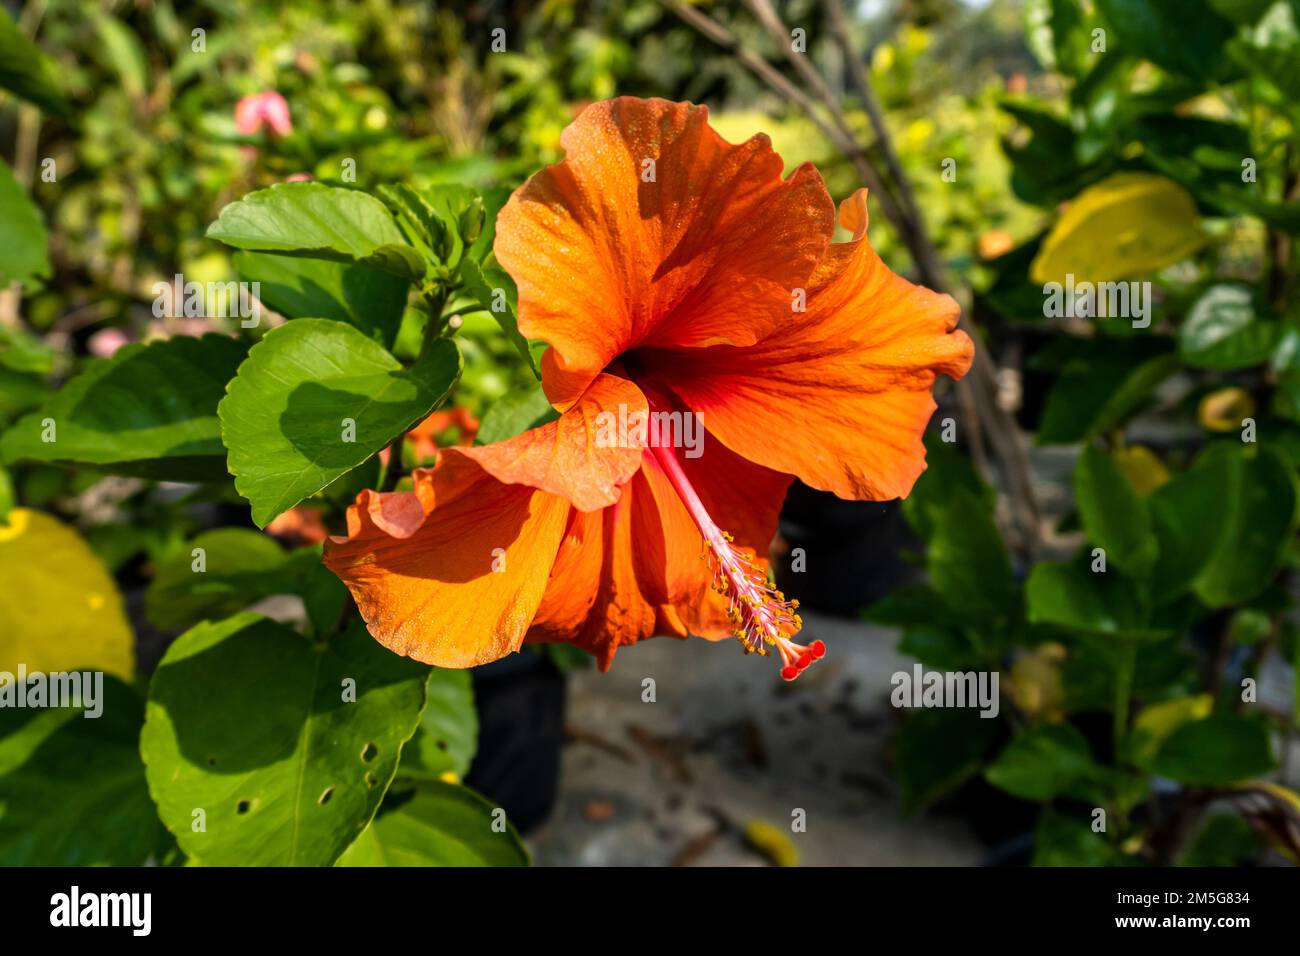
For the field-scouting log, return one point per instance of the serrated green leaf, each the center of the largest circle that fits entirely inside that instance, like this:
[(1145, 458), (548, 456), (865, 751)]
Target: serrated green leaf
[(72, 788), (314, 400), (150, 410), (251, 723), (319, 222), (370, 299)]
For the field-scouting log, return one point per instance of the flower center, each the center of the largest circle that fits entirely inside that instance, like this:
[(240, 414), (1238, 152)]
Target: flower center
[(761, 617)]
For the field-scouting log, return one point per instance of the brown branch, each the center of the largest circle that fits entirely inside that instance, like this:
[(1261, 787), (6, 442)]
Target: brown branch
[(773, 77), (977, 392)]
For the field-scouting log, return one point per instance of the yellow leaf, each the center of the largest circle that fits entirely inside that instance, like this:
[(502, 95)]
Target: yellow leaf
[(1144, 471), (1224, 410), (1035, 683), (771, 842), (1130, 224), (59, 608), (1157, 721)]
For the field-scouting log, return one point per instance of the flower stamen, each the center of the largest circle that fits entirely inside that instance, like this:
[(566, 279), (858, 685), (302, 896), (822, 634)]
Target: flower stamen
[(761, 616)]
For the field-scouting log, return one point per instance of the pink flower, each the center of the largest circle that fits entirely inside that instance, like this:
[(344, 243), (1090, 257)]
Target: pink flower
[(263, 109), (105, 342)]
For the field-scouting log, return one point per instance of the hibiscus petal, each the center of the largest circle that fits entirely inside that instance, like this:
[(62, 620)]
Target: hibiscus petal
[(637, 569), (655, 231), (594, 599), (456, 586), (583, 456), (842, 395)]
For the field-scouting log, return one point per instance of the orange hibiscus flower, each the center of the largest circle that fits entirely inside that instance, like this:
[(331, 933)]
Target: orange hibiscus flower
[(708, 341)]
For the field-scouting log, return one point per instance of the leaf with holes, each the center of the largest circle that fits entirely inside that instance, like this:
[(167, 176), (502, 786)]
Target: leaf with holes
[(443, 825), (287, 747), (314, 400)]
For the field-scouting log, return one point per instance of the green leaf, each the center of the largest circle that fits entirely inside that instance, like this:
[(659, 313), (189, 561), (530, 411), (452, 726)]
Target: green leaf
[(1221, 331), (1099, 385), (514, 414), (941, 648), (435, 217), (1075, 597), (1115, 518), (1216, 751), (23, 241), (937, 751), (1156, 722), (444, 825), (1183, 36), (72, 788), (1055, 35), (1188, 518), (1046, 761), (1068, 840), (253, 724), (495, 291), (150, 410), (370, 299), (285, 418), (1257, 496), (1225, 840), (1241, 11), (319, 222), (965, 556), (240, 566), (26, 72), (448, 734), (946, 468), (120, 51)]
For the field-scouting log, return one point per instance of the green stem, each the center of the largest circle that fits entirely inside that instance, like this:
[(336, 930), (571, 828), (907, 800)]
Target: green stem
[(1125, 667)]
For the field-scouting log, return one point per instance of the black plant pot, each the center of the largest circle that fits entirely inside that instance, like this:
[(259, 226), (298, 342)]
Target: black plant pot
[(520, 702), (853, 551)]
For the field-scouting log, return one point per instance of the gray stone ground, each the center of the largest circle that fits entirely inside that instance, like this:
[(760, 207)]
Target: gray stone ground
[(725, 743)]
